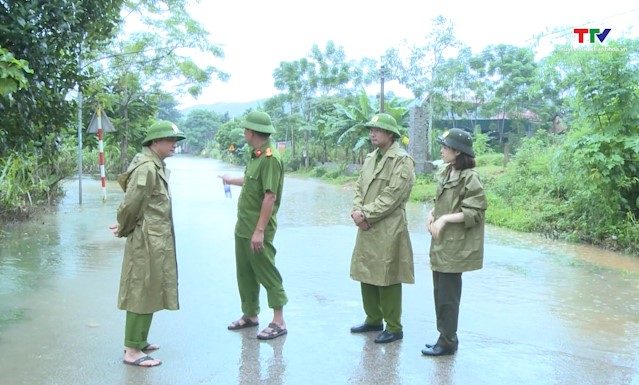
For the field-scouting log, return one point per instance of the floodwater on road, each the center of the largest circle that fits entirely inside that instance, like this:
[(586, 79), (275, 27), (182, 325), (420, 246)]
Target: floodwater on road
[(539, 312)]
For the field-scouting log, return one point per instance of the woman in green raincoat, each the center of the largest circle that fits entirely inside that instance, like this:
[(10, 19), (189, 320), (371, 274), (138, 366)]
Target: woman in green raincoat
[(149, 270), (383, 256), (456, 224)]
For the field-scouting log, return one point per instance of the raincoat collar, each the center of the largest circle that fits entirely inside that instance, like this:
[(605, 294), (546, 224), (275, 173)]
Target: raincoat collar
[(159, 163), (450, 181), (147, 155), (391, 152)]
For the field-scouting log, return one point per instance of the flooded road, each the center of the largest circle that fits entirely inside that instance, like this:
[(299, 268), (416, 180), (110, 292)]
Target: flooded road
[(540, 312)]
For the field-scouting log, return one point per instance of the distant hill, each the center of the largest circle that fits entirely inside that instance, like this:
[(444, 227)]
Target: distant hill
[(233, 109)]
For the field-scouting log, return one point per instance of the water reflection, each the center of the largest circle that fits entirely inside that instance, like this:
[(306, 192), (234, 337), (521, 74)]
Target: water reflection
[(379, 362), (27, 252), (308, 202), (444, 370), (257, 365)]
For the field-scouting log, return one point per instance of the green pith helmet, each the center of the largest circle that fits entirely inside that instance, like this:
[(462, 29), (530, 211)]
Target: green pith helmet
[(259, 121), (163, 129), (385, 122), (457, 139)]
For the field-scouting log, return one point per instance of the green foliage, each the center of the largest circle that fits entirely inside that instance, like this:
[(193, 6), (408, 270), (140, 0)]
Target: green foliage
[(162, 50), (490, 159), (230, 134), (53, 37), (336, 172), (351, 118), (602, 184), (319, 171), (200, 127), (513, 71), (582, 186), (480, 144), (111, 153), (12, 73), (525, 198), (424, 189), (598, 164), (418, 70), (167, 109), (291, 163), (26, 181)]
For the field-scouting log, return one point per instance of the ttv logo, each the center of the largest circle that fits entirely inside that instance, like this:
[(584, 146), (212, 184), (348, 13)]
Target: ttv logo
[(593, 32)]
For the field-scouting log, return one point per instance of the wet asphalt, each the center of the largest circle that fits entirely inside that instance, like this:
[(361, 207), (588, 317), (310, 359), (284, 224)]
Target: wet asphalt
[(536, 314)]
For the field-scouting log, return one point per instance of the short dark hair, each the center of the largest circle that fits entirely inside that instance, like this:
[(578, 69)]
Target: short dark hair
[(464, 161)]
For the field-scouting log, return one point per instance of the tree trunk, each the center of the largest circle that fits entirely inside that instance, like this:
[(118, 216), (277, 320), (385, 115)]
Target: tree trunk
[(124, 145), (429, 134), (292, 134), (306, 154), (502, 126), (506, 153)]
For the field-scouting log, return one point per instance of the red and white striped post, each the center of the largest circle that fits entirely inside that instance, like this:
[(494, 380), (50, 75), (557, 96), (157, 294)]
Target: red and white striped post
[(101, 124), (101, 149)]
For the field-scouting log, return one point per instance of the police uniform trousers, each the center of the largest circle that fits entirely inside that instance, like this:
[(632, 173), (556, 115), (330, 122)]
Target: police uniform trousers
[(383, 303), (255, 269), (447, 289), (136, 330)]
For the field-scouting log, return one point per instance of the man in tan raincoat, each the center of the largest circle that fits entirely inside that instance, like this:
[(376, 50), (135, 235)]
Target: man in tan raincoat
[(149, 270), (383, 256)]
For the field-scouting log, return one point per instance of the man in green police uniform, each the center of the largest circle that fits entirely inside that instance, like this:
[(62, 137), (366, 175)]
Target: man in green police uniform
[(255, 229), (383, 256)]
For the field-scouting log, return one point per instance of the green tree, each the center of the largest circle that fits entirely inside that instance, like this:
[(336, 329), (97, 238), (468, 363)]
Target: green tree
[(599, 162), (510, 71), (53, 37), (453, 82), (349, 120), (138, 65), (167, 109), (331, 68), (298, 82), (417, 67), (231, 135), (200, 127), (320, 73), (13, 73)]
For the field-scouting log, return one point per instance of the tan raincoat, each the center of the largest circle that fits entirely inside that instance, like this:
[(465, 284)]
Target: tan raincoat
[(149, 270), (460, 246), (383, 254)]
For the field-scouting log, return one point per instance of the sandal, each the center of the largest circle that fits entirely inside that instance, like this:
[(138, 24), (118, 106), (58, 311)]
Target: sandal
[(272, 331), (244, 322), (150, 348), (142, 359)]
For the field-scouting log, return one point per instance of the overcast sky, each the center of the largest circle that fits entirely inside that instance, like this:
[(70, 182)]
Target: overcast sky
[(256, 35)]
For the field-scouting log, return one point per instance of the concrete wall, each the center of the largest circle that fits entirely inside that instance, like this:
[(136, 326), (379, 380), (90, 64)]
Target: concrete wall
[(417, 131)]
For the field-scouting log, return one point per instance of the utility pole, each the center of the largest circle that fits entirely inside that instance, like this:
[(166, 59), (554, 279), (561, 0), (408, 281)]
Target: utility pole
[(80, 142), (381, 96)]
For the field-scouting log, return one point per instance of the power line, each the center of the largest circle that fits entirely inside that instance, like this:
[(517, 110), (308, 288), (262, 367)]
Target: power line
[(568, 31)]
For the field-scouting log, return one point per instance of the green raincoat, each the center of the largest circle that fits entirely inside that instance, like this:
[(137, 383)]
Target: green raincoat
[(383, 254), (460, 246), (149, 270)]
